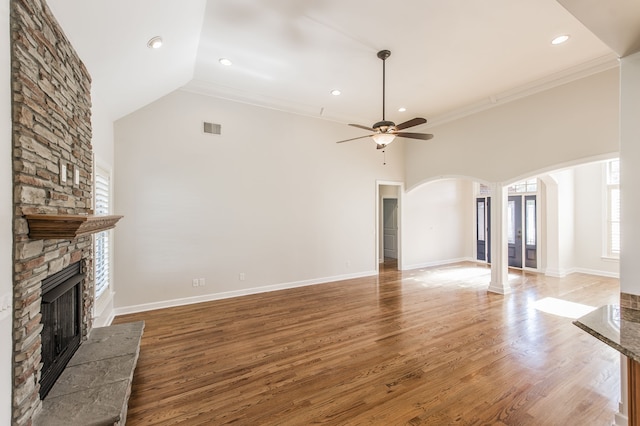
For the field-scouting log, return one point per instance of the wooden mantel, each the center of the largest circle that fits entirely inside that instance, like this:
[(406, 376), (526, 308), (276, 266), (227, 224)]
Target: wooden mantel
[(67, 226)]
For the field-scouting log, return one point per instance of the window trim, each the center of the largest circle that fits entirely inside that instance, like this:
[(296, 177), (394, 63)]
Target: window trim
[(102, 299), (607, 251)]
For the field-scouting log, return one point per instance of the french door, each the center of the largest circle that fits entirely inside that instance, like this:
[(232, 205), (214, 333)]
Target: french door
[(483, 229), (522, 232)]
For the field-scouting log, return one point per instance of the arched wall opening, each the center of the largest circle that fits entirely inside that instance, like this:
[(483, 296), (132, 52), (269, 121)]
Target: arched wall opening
[(440, 221)]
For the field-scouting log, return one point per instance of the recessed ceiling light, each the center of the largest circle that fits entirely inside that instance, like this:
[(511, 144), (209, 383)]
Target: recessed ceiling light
[(402, 109), (335, 92), (225, 62), (560, 39), (155, 43)]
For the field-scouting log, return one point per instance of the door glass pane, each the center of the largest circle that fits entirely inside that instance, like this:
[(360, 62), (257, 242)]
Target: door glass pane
[(481, 221), (511, 222), (530, 222)]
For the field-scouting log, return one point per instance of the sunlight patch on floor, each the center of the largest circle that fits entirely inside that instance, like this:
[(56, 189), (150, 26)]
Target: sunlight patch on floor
[(562, 308), (455, 275)]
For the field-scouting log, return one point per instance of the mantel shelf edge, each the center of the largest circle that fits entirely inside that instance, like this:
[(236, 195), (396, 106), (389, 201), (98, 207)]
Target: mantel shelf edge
[(50, 226)]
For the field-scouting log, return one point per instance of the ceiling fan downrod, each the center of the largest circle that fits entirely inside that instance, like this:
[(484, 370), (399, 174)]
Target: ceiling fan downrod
[(383, 54)]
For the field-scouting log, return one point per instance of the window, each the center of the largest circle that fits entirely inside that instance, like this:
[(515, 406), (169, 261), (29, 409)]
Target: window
[(613, 208), (529, 185), (480, 218), (102, 259), (511, 222), (530, 221)]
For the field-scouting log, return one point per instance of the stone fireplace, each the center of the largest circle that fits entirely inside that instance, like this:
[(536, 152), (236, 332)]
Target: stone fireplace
[(52, 175)]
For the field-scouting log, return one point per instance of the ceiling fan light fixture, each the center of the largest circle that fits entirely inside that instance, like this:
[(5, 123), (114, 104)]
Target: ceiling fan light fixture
[(155, 43), (383, 139)]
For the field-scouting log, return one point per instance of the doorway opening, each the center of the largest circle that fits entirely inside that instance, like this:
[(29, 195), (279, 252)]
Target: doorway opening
[(388, 209)]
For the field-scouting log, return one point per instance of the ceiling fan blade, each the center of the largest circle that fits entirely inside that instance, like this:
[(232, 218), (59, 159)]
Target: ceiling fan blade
[(411, 123), (362, 127), (353, 139), (423, 136)]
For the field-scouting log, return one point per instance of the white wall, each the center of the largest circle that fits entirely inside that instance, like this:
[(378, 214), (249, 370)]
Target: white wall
[(273, 197), (101, 131), (563, 125), (590, 221), (437, 223), (566, 217), (6, 202)]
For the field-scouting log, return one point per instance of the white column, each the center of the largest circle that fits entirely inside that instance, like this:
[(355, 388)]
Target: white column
[(629, 194), (499, 260), (630, 173)]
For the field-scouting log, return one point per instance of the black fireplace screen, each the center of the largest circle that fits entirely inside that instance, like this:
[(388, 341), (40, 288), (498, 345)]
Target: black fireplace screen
[(61, 318)]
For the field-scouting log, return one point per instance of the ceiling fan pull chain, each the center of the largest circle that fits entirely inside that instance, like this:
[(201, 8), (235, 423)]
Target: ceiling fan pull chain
[(384, 157)]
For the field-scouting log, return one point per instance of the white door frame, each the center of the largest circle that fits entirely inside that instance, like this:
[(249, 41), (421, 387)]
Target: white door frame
[(378, 222)]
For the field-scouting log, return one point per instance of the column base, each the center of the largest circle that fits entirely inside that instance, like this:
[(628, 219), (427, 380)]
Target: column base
[(497, 288)]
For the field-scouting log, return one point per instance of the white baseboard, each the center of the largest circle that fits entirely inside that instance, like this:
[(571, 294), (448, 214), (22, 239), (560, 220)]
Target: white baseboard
[(235, 293), (598, 273), (558, 273), (561, 273), (621, 420), (437, 263)]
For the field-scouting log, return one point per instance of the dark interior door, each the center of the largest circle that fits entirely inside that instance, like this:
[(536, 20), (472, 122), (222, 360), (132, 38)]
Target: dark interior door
[(514, 230), (481, 228)]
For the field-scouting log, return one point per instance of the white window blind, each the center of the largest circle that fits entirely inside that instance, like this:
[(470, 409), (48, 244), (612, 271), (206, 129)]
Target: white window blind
[(102, 239)]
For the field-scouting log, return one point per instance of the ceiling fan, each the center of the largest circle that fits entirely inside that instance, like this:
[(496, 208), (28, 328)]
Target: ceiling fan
[(384, 132)]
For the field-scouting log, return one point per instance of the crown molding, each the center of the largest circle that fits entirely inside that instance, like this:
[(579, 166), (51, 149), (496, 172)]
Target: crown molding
[(578, 72)]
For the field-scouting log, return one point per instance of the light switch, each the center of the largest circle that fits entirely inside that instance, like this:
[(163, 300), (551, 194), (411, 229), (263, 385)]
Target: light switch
[(76, 176), (63, 172)]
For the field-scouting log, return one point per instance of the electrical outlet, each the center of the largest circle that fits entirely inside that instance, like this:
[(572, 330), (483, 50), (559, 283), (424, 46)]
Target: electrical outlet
[(241, 276), (195, 282)]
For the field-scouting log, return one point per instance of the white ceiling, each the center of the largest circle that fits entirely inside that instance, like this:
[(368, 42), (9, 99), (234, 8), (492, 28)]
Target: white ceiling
[(447, 56)]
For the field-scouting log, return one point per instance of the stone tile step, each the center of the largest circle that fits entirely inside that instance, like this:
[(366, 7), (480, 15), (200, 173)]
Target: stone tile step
[(94, 388)]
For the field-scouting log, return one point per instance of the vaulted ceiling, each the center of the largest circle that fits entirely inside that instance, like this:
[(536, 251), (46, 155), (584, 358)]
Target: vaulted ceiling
[(447, 56)]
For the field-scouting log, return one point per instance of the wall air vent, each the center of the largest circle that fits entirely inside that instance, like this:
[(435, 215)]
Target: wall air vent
[(212, 128)]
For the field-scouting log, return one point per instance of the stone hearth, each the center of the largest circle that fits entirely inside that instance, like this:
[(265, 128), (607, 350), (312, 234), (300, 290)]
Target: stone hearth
[(94, 389)]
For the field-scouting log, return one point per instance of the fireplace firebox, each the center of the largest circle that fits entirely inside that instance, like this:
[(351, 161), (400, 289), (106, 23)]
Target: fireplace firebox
[(61, 318)]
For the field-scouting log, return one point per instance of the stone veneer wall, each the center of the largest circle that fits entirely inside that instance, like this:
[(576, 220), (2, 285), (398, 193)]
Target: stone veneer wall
[(51, 126)]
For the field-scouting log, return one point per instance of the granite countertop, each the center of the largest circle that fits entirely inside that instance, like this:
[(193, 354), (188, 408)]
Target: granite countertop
[(617, 327)]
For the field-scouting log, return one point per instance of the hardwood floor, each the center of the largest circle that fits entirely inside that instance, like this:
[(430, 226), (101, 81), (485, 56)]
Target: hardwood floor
[(429, 347)]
